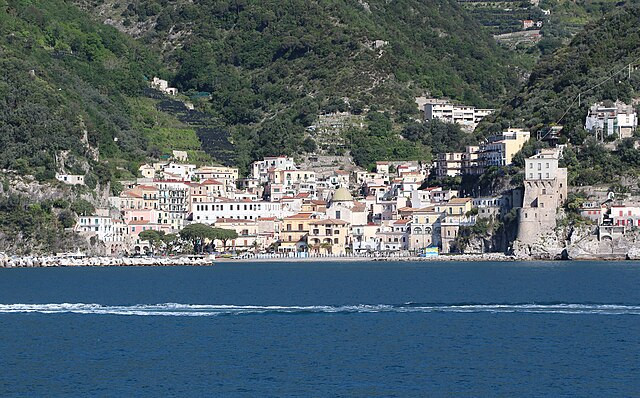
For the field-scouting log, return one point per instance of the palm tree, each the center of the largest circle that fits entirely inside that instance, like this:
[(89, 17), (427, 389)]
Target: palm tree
[(326, 246)]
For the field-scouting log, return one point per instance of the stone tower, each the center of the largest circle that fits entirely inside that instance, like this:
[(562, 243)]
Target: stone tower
[(545, 190)]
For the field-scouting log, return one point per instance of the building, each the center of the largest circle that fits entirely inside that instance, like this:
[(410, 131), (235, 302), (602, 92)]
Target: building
[(500, 149), (363, 238), (210, 211), (260, 168), (329, 236), (147, 171), (163, 85), (226, 175), (490, 206), (425, 229), (626, 216), (545, 190), (174, 202), (452, 164), (70, 179), (455, 214), (449, 164), (180, 156), (470, 160), (394, 235), (464, 115), (617, 120), (295, 231)]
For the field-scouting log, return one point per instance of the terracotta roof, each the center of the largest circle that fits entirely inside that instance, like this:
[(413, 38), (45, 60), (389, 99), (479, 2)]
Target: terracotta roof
[(427, 209), (299, 216), (456, 201), (147, 188), (359, 207), (131, 194), (266, 219), (139, 222), (233, 220), (329, 221), (211, 182), (317, 202), (402, 222)]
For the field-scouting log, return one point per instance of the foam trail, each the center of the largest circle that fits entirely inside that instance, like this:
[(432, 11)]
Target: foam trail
[(174, 309)]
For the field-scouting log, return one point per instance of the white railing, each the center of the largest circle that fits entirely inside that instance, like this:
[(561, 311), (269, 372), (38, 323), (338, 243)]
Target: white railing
[(302, 255)]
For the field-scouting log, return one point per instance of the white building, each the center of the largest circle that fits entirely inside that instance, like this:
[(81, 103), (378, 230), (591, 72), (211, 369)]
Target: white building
[(464, 115), (163, 85), (101, 226), (260, 168), (210, 212), (619, 120), (70, 179)]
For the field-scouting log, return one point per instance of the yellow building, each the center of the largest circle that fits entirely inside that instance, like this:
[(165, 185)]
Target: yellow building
[(329, 236), (295, 230), (425, 228)]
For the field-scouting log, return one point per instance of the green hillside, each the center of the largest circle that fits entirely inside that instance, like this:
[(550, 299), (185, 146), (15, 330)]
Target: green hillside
[(594, 65), (272, 67), (62, 74)]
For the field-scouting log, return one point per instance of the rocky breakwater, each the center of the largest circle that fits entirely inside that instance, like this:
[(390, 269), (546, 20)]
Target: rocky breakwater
[(53, 261), (452, 257)]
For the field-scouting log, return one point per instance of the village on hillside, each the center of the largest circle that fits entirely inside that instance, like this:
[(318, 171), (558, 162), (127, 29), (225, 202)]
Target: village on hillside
[(286, 209)]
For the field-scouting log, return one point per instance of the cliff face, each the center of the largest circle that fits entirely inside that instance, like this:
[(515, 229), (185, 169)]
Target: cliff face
[(37, 217), (580, 243)]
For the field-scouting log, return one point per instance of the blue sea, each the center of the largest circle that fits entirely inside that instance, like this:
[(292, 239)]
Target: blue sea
[(352, 329)]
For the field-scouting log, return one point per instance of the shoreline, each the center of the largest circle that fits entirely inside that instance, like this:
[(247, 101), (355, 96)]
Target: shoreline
[(102, 261)]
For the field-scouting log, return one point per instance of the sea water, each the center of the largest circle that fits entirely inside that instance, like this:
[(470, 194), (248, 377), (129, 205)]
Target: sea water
[(323, 329)]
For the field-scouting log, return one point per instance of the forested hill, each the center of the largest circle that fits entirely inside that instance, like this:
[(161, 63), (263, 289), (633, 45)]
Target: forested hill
[(272, 66), (66, 84), (550, 96), (596, 66)]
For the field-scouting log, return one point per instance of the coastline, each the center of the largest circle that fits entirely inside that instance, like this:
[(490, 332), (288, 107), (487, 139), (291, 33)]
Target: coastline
[(53, 261)]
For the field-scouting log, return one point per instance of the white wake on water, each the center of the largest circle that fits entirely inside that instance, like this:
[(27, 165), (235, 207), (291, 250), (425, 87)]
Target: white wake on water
[(175, 309)]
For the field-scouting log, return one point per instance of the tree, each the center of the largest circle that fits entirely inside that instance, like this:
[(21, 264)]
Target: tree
[(197, 234), (169, 241), (67, 218), (225, 235), (82, 207), (155, 238)]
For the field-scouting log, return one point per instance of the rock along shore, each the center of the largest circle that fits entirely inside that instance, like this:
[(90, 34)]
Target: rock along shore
[(53, 261)]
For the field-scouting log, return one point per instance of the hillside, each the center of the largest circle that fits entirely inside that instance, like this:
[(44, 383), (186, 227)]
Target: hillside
[(64, 87), (72, 101), (271, 68), (594, 65)]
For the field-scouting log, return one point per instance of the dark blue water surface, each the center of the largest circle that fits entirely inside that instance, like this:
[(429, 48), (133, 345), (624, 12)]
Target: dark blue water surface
[(362, 329)]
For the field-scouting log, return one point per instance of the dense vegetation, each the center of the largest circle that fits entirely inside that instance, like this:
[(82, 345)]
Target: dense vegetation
[(63, 74), (272, 67), (594, 65)]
